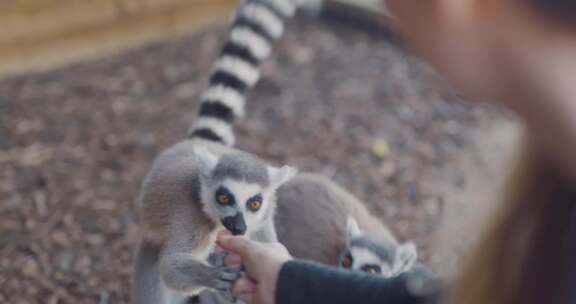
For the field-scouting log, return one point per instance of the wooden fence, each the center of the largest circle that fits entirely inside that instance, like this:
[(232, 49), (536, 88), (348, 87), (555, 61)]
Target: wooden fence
[(41, 34)]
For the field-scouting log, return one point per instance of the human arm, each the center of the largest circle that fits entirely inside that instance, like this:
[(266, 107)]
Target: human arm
[(309, 282), (273, 277)]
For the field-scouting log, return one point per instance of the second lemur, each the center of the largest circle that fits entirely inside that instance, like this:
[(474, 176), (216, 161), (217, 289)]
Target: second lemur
[(318, 220)]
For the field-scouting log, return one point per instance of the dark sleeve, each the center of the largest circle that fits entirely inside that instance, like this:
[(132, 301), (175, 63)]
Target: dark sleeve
[(301, 282)]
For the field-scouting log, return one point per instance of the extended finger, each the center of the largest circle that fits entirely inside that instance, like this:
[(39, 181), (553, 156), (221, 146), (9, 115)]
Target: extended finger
[(232, 259), (252, 253), (238, 244)]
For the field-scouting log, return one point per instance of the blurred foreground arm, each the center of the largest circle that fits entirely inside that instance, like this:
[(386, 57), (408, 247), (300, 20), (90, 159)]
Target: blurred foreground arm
[(307, 282), (520, 54), (272, 277)]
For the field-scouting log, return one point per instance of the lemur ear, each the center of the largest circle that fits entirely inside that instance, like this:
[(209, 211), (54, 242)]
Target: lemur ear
[(406, 257), (352, 229), (279, 176), (206, 160)]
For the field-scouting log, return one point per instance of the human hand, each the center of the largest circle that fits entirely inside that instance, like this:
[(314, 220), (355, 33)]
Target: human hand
[(262, 261)]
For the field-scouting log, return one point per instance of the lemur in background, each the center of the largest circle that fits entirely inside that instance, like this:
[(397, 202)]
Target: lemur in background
[(363, 253), (202, 185), (318, 220)]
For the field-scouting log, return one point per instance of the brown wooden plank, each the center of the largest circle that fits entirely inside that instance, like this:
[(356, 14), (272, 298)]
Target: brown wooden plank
[(160, 20), (25, 22), (21, 24)]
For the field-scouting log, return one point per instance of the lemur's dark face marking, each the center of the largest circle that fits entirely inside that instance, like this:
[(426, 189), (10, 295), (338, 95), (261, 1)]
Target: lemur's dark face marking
[(239, 204), (372, 268), (346, 260), (363, 259), (239, 190), (254, 203), (363, 254), (224, 197)]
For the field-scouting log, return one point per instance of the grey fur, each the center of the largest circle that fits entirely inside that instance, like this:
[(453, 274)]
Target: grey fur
[(385, 251), (242, 167), (146, 275), (178, 235), (311, 219)]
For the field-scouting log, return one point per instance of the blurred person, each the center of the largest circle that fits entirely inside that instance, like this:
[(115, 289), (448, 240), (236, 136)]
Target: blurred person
[(520, 54)]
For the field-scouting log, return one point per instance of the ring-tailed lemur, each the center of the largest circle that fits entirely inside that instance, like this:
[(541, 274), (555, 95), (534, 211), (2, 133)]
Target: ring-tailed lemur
[(362, 253), (318, 220), (202, 184)]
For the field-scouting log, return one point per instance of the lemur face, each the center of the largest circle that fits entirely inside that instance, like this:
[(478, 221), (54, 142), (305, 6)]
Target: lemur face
[(238, 190), (363, 259), (363, 254), (240, 204)]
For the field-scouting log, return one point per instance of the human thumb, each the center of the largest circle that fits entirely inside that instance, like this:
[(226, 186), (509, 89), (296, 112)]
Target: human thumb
[(240, 245)]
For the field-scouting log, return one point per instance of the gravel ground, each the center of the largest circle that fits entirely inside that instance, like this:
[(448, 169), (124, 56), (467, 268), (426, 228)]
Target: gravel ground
[(76, 142)]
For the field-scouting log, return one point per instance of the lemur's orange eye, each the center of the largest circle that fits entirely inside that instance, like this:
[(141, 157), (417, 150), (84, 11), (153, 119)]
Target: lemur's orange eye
[(223, 199), (346, 261), (372, 269), (255, 205)]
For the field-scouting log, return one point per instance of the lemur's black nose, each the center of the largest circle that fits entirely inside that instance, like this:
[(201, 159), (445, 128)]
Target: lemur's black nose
[(235, 224)]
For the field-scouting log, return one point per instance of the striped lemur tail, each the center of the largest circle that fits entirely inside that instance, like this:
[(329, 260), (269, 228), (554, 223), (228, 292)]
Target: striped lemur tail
[(257, 24)]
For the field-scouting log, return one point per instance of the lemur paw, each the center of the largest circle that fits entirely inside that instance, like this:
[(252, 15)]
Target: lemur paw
[(216, 259), (226, 279)]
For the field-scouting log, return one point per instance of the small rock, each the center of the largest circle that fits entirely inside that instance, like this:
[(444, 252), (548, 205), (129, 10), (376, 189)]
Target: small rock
[(95, 239), (184, 91), (63, 261), (380, 148), (426, 150), (387, 169), (30, 268), (104, 297), (390, 210), (432, 206), (60, 238), (84, 263), (302, 55)]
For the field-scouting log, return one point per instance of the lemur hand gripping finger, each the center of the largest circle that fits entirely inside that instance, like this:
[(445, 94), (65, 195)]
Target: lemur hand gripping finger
[(202, 184)]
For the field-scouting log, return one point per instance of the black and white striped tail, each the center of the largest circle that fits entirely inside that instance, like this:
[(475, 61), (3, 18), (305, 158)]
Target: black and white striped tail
[(257, 24)]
